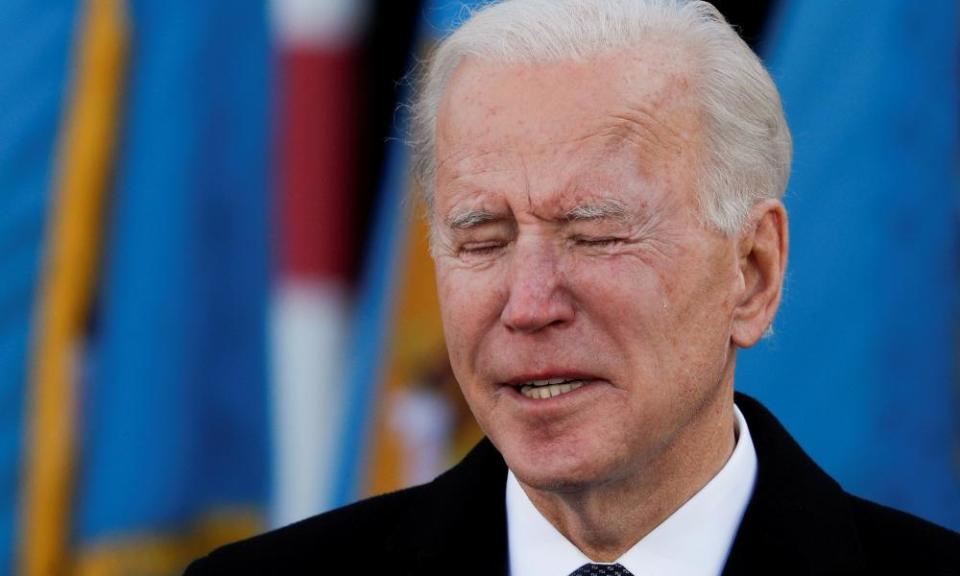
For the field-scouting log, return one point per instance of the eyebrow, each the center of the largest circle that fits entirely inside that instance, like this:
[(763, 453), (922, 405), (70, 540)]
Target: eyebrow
[(471, 219), (602, 210)]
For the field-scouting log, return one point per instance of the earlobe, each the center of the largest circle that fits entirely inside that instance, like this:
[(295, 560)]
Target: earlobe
[(762, 249)]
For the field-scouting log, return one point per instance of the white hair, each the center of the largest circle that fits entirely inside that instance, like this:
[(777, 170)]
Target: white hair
[(748, 146)]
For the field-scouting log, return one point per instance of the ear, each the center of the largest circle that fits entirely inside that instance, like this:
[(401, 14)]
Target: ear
[(762, 249)]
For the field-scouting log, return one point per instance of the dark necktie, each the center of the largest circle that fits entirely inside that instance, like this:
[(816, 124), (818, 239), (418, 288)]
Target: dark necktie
[(601, 570)]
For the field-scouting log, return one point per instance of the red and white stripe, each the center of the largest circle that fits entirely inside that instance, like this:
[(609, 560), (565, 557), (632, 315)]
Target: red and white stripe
[(316, 43)]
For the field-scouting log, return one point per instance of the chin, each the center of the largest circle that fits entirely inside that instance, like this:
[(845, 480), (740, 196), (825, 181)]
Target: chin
[(561, 479), (557, 469)]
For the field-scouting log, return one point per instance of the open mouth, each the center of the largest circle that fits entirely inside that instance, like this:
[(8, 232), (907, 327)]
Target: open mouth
[(550, 388)]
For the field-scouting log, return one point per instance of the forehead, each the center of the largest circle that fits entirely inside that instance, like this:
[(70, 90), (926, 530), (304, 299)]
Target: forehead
[(638, 101)]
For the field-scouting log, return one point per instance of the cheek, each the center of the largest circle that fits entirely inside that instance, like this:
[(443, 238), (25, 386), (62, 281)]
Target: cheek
[(651, 313), (705, 299), (622, 292), (468, 307), (699, 326)]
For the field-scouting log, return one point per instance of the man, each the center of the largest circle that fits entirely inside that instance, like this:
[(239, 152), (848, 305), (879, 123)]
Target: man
[(603, 180)]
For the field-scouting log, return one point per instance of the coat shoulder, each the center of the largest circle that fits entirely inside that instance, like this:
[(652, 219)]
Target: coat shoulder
[(329, 540), (893, 538), (406, 532)]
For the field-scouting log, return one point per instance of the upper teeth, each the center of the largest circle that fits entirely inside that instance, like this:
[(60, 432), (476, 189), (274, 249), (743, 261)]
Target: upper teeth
[(549, 388)]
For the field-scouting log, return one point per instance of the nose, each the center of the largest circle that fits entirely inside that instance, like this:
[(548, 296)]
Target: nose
[(538, 295)]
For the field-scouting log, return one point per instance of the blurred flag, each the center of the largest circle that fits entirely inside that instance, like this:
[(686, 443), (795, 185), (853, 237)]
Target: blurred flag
[(406, 419), (317, 64), (863, 365), (65, 290), (33, 89), (175, 453), (147, 392), (146, 405)]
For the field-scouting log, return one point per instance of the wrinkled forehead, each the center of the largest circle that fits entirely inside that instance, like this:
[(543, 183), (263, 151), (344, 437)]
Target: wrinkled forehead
[(644, 97), (561, 122)]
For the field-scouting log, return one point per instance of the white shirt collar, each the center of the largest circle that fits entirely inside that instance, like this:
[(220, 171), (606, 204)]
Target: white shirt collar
[(693, 541)]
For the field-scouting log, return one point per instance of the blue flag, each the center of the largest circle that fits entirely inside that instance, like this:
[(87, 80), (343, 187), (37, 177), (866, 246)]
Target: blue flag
[(135, 223), (175, 442), (862, 367), (32, 90)]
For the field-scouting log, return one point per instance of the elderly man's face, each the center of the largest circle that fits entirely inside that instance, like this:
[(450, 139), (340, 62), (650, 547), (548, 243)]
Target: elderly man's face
[(570, 250)]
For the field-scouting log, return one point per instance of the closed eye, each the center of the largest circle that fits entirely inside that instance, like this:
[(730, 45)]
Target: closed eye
[(480, 248), (597, 242)]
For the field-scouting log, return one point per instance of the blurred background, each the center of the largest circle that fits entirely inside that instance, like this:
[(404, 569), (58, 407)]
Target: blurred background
[(217, 313)]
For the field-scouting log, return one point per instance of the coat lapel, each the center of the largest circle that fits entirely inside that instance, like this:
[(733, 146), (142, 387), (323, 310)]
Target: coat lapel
[(798, 520), (458, 525)]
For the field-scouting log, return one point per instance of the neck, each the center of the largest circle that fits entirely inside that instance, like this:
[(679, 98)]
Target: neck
[(607, 520)]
